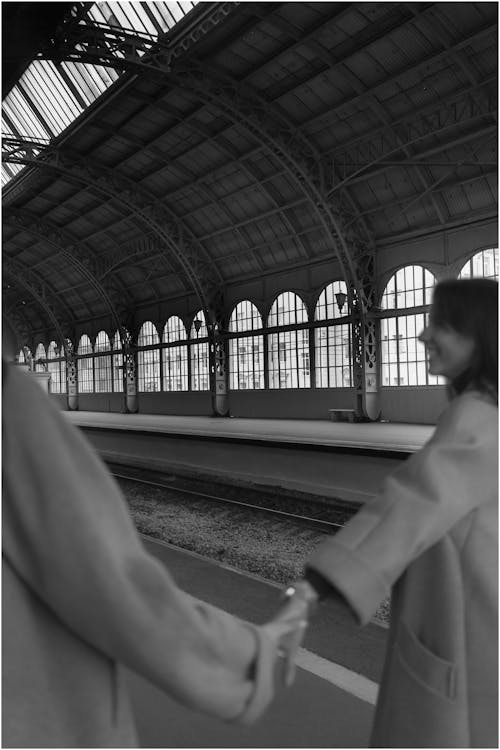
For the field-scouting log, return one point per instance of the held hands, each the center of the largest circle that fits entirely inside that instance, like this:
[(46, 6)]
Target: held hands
[(288, 627)]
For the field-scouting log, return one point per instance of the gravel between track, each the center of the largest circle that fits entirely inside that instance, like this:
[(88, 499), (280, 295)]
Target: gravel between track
[(274, 550)]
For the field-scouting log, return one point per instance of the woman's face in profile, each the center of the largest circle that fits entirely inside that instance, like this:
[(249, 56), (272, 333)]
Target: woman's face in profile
[(449, 353)]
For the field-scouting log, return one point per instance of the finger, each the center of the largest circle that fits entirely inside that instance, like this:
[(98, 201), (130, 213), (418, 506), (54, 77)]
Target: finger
[(292, 610), (291, 653)]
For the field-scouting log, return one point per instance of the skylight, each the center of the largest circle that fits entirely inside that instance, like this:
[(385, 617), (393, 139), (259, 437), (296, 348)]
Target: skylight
[(49, 97)]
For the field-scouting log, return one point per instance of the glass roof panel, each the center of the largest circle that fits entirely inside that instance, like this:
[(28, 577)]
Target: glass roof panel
[(50, 97)]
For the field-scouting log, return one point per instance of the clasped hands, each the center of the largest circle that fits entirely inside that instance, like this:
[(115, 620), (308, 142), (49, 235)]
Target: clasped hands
[(287, 628)]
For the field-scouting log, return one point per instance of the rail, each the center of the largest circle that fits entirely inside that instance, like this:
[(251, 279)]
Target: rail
[(318, 524)]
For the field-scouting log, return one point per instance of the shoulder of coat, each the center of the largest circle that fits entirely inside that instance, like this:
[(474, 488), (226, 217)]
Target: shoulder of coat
[(470, 412)]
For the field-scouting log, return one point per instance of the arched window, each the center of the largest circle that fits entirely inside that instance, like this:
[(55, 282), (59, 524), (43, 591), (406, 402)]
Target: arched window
[(102, 364), (288, 350), (21, 358), (200, 368), (40, 354), (148, 360), (85, 365), (56, 365), (246, 353), (333, 342), (484, 264), (403, 360), (175, 358), (117, 363)]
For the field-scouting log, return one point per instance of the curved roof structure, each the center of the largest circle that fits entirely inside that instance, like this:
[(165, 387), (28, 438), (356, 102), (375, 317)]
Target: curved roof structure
[(248, 139)]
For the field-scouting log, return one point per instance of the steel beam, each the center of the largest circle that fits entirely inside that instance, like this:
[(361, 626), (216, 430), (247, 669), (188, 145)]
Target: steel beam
[(79, 255), (466, 108), (192, 261), (41, 293)]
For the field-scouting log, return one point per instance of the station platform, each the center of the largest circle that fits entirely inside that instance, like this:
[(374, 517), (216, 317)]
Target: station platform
[(371, 436), (331, 459), (331, 703)]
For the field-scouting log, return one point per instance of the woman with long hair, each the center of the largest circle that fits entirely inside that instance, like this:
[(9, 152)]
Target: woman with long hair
[(431, 536)]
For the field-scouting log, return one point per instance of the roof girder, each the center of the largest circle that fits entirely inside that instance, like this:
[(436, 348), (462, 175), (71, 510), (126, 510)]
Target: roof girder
[(177, 238), (80, 256), (42, 294), (309, 177)]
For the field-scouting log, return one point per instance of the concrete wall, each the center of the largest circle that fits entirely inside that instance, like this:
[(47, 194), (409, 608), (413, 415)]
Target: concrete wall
[(60, 399), (293, 403), (190, 404), (197, 403), (416, 405), (100, 402)]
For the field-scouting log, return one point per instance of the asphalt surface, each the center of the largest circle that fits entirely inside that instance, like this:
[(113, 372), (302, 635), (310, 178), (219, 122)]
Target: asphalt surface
[(315, 712)]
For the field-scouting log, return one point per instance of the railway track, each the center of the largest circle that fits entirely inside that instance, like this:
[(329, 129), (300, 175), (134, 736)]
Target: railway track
[(325, 517)]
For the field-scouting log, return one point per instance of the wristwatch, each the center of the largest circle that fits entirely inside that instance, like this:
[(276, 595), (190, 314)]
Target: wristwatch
[(302, 590)]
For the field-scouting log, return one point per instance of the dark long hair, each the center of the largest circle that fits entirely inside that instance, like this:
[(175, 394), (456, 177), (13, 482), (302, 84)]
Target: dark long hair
[(470, 307)]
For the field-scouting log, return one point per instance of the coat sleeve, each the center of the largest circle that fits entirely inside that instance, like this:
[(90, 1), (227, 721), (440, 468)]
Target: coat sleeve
[(68, 535), (446, 480)]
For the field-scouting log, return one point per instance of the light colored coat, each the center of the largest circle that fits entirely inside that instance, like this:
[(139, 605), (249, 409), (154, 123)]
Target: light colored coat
[(81, 596), (433, 532)]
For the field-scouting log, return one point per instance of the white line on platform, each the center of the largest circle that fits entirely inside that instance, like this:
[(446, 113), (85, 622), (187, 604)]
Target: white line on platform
[(345, 679), (355, 684)]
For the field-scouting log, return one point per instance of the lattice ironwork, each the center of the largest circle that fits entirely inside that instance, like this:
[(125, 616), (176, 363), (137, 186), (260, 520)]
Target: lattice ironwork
[(246, 107), (101, 43), (71, 373), (243, 105), (192, 260), (78, 254), (129, 361), (464, 108), (239, 103), (42, 293), (20, 327)]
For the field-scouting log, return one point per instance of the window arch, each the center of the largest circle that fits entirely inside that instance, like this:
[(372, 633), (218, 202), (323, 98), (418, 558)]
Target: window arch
[(403, 360), (102, 364), (148, 360), (56, 365), (246, 353), (199, 355), (483, 264), (175, 358), (288, 350), (117, 361), (85, 365), (411, 286), (40, 353), (333, 342), (21, 359)]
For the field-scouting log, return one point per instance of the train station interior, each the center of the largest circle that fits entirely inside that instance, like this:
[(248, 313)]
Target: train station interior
[(240, 209), (222, 227)]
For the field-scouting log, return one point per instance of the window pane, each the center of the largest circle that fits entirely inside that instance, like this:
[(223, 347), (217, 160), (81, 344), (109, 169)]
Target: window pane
[(411, 286), (246, 353), (483, 264), (175, 358), (85, 365), (148, 360), (402, 355), (199, 355)]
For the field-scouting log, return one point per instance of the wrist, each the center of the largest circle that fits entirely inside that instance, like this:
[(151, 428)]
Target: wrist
[(303, 591)]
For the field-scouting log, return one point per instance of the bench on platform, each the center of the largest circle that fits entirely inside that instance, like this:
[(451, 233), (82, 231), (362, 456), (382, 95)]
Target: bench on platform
[(342, 415)]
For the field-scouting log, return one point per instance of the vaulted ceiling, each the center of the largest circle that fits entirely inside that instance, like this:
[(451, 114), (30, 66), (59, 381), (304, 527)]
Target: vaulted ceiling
[(256, 137)]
